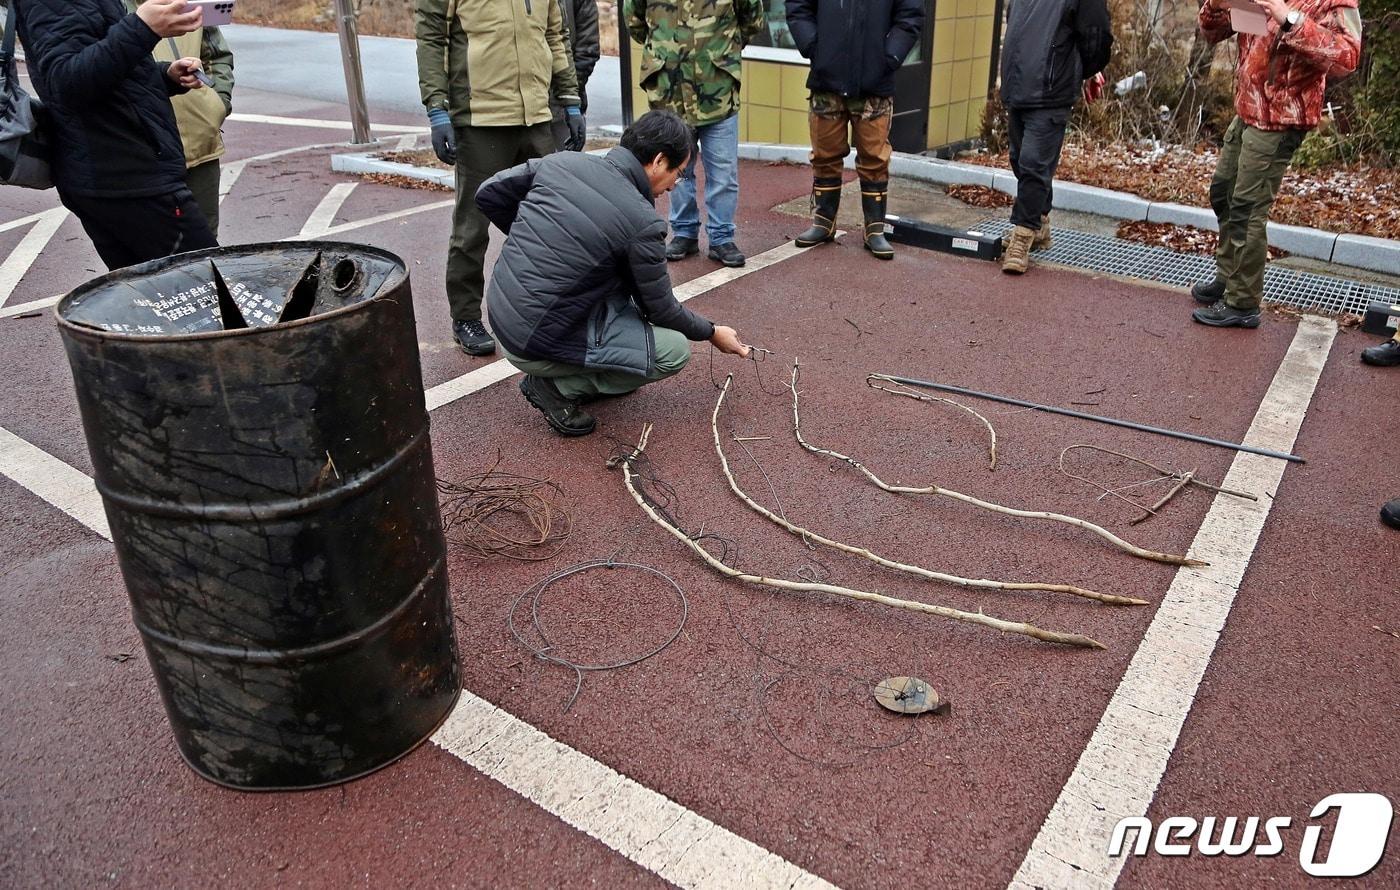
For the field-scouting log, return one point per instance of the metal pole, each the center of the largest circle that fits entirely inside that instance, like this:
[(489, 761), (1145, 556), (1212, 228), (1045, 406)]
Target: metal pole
[(354, 75), (1141, 427)]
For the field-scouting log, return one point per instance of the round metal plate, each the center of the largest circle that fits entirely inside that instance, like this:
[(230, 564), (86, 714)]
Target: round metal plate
[(907, 695)]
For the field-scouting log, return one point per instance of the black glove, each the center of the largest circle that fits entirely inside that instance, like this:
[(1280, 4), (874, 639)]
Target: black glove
[(445, 144), (578, 128)]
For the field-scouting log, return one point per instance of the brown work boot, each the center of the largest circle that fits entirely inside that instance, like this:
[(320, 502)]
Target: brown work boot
[(1018, 251), (1043, 241)]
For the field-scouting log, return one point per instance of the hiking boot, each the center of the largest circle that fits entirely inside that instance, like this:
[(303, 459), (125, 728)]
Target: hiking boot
[(1390, 513), (826, 200), (1017, 258), (472, 338), (682, 247), (1222, 315), (1042, 241), (1208, 291), (872, 206), (563, 415), (727, 253), (1382, 355)]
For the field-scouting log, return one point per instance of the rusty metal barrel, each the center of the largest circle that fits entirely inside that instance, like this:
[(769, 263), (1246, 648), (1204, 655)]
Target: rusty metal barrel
[(256, 421)]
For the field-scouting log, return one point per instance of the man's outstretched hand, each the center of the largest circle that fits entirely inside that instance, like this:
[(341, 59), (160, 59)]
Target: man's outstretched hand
[(170, 18), (726, 340)]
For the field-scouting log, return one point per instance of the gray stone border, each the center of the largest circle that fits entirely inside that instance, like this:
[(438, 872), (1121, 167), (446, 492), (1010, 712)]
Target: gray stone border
[(1359, 251)]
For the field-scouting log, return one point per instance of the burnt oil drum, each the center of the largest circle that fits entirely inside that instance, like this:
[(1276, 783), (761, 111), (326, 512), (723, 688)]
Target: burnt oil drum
[(256, 421)]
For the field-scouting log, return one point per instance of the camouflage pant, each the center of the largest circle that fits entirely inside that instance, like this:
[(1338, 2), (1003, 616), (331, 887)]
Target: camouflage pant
[(1247, 176), (868, 120)]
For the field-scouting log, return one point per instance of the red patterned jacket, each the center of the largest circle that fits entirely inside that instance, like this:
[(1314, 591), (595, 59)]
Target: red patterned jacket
[(1282, 74)]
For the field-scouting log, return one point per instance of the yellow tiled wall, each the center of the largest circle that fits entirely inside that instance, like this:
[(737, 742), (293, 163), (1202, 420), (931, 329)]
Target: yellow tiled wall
[(773, 95), (962, 63)]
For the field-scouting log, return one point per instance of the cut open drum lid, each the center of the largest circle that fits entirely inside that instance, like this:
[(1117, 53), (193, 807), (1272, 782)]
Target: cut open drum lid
[(231, 288)]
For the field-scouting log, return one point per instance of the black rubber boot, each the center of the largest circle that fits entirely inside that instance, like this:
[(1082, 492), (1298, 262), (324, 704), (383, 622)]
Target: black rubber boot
[(872, 205), (826, 200)]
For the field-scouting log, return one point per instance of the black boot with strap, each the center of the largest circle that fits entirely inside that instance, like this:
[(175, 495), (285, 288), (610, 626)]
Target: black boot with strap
[(826, 200), (872, 205)]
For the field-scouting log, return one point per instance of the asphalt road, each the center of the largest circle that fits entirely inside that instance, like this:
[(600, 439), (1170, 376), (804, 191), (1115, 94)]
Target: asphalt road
[(307, 64)]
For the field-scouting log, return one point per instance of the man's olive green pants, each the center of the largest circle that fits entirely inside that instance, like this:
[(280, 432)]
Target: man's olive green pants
[(1247, 176), (578, 382), (203, 181), (482, 152)]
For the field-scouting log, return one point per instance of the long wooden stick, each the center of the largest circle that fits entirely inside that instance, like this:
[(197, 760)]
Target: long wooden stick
[(1015, 627), (910, 394), (978, 502), (888, 563)]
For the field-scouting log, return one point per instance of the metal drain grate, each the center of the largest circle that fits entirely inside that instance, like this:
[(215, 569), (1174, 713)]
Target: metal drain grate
[(1290, 287)]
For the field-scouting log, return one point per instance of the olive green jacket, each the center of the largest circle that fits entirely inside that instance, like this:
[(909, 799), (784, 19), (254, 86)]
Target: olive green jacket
[(691, 53), (200, 113), (493, 63)]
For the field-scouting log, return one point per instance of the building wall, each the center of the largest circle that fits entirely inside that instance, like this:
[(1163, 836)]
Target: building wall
[(962, 63), (773, 95)]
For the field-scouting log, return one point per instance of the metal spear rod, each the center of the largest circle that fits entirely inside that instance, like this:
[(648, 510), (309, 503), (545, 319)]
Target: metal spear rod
[(1113, 421)]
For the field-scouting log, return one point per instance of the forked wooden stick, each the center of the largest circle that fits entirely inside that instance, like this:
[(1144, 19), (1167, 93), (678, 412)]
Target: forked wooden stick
[(978, 502), (888, 563), (1015, 627)]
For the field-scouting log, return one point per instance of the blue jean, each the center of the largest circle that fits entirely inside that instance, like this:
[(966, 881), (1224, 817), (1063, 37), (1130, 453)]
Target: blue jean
[(719, 151)]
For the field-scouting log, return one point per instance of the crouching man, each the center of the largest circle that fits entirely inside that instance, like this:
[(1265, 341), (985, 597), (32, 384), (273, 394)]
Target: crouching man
[(580, 299)]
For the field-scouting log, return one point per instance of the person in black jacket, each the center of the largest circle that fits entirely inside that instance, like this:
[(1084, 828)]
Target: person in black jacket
[(581, 27), (855, 48), (118, 163), (1053, 51), (580, 298)]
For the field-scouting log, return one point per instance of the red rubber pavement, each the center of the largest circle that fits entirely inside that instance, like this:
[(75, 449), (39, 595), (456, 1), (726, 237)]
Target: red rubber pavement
[(775, 739)]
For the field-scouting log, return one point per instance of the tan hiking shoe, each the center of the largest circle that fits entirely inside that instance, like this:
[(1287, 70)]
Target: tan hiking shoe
[(1018, 251), (1043, 241)]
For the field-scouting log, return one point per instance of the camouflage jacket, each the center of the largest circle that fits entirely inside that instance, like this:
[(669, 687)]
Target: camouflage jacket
[(690, 53)]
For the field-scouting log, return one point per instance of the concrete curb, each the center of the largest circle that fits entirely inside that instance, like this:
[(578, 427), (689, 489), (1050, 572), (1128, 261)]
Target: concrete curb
[(1360, 251)]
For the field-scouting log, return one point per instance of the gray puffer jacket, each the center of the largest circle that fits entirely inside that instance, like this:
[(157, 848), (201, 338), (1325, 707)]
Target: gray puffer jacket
[(582, 276)]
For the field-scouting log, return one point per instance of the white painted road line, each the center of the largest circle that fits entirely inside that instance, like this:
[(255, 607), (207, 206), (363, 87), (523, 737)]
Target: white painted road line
[(500, 369), (330, 233), (1120, 769), (648, 828), (70, 490), (322, 218), (17, 264), (341, 229), (317, 124)]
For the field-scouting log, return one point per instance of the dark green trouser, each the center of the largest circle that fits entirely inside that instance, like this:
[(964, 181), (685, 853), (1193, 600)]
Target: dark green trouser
[(1247, 176), (577, 382), (482, 152), (203, 181)]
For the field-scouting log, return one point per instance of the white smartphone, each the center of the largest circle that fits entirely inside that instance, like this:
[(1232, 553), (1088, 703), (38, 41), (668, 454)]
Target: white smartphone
[(216, 12)]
